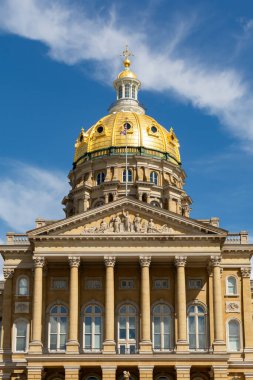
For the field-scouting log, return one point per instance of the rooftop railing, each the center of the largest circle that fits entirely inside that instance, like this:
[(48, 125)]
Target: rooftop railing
[(237, 238), (13, 238)]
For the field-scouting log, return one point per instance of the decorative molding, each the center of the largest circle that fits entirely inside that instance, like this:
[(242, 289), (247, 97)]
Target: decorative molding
[(215, 261), (145, 261), (74, 261), (180, 261), (245, 272), (109, 261), (8, 273), (22, 307), (233, 307), (39, 261)]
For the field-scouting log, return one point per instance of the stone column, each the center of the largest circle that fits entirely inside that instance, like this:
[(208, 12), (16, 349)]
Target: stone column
[(109, 343), (108, 372), (247, 314), (219, 344), (7, 311), (72, 344), (85, 203), (146, 372), (220, 372), (34, 373), (71, 372), (182, 344), (145, 344), (210, 307), (106, 198), (183, 372), (36, 343)]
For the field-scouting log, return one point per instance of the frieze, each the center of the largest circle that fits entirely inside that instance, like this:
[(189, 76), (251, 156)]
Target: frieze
[(233, 307), (124, 223)]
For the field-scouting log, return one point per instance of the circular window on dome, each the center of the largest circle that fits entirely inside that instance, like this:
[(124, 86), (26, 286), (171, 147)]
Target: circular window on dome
[(100, 129), (153, 129), (127, 126)]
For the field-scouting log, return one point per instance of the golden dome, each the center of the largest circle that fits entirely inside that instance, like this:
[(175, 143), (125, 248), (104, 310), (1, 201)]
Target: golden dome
[(127, 74), (145, 136)]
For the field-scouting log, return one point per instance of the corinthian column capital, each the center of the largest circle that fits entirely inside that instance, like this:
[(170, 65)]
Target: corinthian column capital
[(245, 272), (215, 261), (109, 261), (74, 261), (145, 261), (8, 273), (180, 261), (39, 261)]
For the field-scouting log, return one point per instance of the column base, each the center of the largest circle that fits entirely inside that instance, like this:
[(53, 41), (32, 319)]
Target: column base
[(145, 347), (109, 347), (219, 347), (72, 347), (182, 347), (35, 347)]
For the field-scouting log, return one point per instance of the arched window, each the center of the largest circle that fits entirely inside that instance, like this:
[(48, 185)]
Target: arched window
[(155, 204), (20, 335), (100, 178), (233, 335), (197, 328), (154, 178), (58, 328), (129, 177), (162, 328), (127, 91), (92, 328), (120, 92), (23, 286), (127, 334), (133, 92), (231, 285)]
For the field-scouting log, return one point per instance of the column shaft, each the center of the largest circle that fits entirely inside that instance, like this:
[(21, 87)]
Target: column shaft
[(145, 344), (36, 344), (73, 345), (182, 344), (7, 311), (109, 343)]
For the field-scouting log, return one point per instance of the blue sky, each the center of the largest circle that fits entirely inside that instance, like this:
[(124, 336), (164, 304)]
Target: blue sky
[(57, 63)]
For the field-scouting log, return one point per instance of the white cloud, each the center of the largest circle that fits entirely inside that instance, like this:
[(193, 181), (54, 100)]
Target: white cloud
[(28, 192), (73, 35)]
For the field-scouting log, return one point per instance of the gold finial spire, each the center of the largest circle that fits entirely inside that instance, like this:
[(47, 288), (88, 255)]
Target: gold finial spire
[(126, 54)]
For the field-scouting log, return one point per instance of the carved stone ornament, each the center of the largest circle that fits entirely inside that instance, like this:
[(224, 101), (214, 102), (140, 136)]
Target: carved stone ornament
[(126, 375), (180, 261), (246, 272), (233, 307), (145, 261), (74, 261), (39, 261), (8, 273), (215, 261), (22, 307), (109, 261), (123, 223)]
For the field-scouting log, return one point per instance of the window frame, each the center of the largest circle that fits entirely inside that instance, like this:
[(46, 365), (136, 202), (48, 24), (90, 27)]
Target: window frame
[(130, 174), (58, 334), (153, 177), (162, 315), (15, 336), (121, 279), (236, 294), (93, 315), (127, 342), (59, 279), (154, 279), (87, 279), (100, 178), (196, 321), (22, 276), (239, 338)]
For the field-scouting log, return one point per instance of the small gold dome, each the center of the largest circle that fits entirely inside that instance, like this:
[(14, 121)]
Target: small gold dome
[(127, 74), (144, 136)]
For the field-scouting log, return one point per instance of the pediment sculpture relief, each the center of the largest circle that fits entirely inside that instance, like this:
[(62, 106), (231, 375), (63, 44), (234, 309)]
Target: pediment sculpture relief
[(124, 223)]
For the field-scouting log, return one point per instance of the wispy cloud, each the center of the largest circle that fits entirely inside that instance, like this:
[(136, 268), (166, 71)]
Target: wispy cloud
[(28, 192), (74, 35)]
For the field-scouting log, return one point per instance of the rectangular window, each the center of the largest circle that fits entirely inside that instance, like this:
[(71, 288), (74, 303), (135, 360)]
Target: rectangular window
[(127, 283), (194, 283), (161, 283), (93, 283), (59, 283)]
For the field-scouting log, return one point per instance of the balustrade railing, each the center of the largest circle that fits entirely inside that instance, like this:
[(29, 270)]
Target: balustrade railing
[(17, 239), (237, 238)]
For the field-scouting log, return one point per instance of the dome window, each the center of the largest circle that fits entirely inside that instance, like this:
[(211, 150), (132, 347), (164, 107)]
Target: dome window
[(100, 129), (120, 92), (100, 178), (128, 177), (133, 92), (127, 91), (154, 178), (153, 129), (127, 126)]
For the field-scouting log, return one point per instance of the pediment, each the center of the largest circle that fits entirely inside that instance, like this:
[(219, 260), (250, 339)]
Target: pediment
[(127, 217)]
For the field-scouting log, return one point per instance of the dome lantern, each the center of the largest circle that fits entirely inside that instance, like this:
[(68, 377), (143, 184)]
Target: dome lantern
[(127, 86)]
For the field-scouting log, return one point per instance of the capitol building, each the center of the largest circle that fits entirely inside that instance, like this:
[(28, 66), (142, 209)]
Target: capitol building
[(127, 285)]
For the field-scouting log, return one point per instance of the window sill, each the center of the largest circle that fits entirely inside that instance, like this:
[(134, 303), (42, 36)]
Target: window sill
[(232, 295)]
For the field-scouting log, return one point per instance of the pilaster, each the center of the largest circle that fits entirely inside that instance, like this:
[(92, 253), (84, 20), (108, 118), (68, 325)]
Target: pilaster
[(71, 372), (146, 372), (220, 372), (109, 372), (183, 372), (34, 373)]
